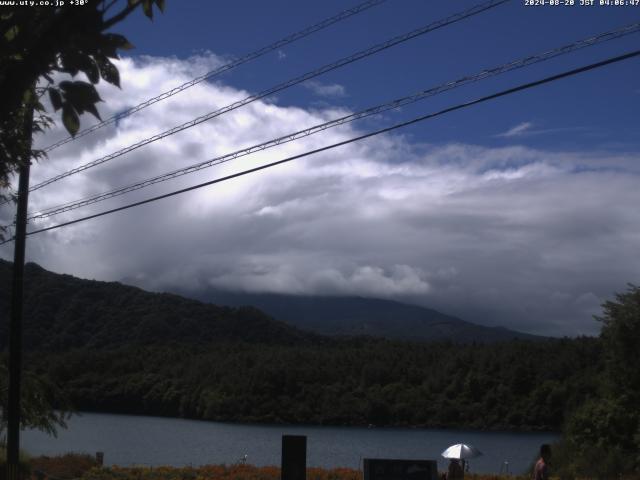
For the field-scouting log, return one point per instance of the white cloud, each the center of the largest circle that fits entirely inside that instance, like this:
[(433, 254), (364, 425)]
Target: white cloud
[(331, 90), (526, 129), (529, 239), (263, 274), (517, 131)]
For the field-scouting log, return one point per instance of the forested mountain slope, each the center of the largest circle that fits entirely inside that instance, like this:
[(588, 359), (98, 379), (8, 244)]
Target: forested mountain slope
[(364, 316), (63, 312), (116, 348)]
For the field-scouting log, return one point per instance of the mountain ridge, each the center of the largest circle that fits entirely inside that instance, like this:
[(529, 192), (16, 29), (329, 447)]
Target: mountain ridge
[(353, 316), (62, 312)]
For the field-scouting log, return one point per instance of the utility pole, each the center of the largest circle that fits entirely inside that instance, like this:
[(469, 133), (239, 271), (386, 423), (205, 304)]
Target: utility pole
[(15, 323)]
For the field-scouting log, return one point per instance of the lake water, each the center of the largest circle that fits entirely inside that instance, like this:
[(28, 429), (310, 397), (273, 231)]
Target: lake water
[(139, 440)]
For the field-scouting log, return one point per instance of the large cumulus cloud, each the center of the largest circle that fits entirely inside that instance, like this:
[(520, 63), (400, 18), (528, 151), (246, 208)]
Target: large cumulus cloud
[(530, 239)]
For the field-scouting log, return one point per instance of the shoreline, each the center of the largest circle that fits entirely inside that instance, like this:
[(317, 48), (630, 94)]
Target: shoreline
[(499, 430), (136, 439)]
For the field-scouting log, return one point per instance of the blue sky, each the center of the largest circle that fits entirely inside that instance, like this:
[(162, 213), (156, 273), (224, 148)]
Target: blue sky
[(520, 212), (597, 110)]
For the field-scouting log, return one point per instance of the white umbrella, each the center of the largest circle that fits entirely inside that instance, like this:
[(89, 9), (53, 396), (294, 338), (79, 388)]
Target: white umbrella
[(461, 451)]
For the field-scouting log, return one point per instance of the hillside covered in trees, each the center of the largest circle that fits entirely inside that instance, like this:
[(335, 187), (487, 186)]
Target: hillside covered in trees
[(375, 317), (116, 348), (63, 312), (351, 382)]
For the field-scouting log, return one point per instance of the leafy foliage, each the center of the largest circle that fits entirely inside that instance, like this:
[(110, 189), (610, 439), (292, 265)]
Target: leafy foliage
[(38, 394), (38, 42), (621, 338), (606, 427), (35, 43)]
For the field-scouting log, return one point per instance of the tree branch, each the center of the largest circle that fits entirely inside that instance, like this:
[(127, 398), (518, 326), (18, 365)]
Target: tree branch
[(105, 8), (119, 17)]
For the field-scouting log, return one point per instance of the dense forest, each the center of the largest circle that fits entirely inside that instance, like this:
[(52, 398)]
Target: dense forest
[(517, 385), (63, 312), (120, 349)]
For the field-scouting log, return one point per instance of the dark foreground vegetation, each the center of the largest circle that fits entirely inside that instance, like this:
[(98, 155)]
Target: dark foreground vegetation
[(84, 467), (106, 347)]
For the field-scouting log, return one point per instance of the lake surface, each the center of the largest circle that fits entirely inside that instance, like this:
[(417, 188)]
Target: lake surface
[(138, 440)]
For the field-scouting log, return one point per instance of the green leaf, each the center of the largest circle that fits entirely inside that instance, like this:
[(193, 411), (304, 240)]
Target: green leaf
[(70, 119), (70, 62), (92, 72), (160, 4), (117, 41), (127, 45), (66, 85), (147, 7), (82, 91), (11, 33), (28, 96), (93, 111), (110, 43), (107, 47), (82, 96), (73, 62), (108, 71), (85, 92)]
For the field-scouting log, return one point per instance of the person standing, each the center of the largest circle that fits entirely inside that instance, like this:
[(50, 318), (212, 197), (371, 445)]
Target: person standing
[(455, 471), (541, 468)]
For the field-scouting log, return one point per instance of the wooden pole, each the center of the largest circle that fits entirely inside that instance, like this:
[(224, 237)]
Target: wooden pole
[(15, 322)]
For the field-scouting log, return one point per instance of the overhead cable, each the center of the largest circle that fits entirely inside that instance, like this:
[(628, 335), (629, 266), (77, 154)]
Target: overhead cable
[(513, 65), (460, 106), (223, 68), (302, 78)]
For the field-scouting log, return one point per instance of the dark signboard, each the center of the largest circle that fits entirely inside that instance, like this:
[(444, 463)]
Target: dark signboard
[(294, 457), (387, 469)]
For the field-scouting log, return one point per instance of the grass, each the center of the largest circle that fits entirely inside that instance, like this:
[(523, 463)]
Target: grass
[(70, 465), (84, 467), (233, 472)]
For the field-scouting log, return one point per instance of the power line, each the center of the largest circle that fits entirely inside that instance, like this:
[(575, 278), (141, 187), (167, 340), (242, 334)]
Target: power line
[(307, 76), (224, 68), (460, 106), (513, 65)]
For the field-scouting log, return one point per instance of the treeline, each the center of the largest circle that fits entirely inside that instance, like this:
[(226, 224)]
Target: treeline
[(62, 312), (111, 347), (515, 385)]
